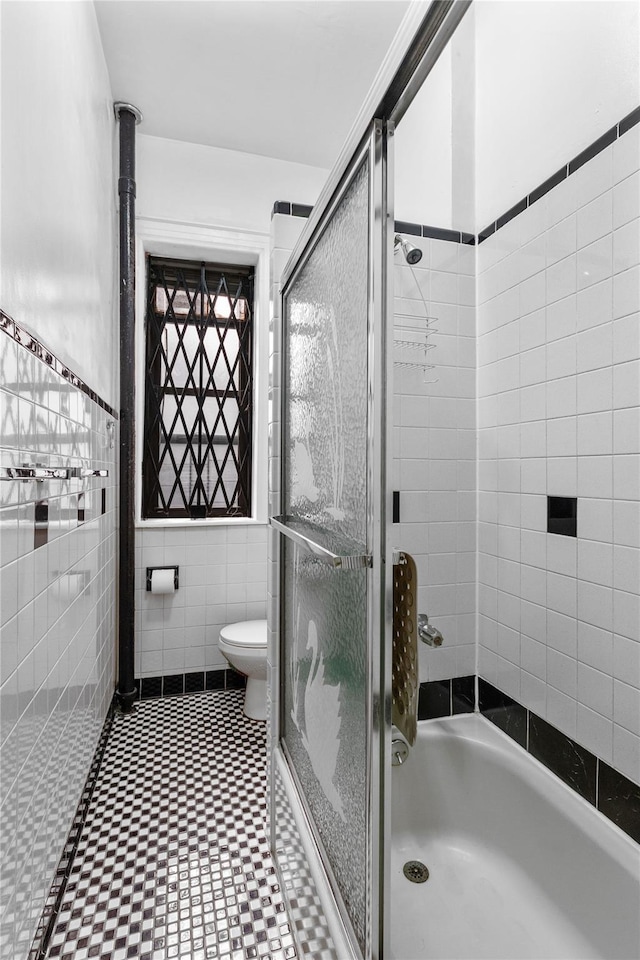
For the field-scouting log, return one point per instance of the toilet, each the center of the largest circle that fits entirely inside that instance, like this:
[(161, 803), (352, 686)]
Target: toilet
[(245, 647)]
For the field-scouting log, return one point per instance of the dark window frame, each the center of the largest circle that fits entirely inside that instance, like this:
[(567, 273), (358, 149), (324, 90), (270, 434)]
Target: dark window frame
[(204, 297)]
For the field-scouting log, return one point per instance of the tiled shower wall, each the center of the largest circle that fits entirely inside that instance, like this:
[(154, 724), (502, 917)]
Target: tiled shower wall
[(57, 582), (223, 579), (435, 444), (559, 394)]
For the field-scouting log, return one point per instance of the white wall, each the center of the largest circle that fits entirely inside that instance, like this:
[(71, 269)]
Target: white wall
[(57, 600), (434, 158), (423, 152), (57, 241), (550, 78), (191, 183)]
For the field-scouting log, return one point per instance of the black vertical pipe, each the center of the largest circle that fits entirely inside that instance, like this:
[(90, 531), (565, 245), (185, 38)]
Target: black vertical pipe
[(128, 116)]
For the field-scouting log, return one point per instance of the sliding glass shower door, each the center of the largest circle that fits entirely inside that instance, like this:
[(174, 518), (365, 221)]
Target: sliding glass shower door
[(334, 595)]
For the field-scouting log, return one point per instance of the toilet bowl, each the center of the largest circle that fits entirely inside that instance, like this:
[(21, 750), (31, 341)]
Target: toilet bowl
[(245, 647)]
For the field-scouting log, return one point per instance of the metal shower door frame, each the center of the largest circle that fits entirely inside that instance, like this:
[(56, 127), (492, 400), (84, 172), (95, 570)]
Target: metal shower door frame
[(376, 151)]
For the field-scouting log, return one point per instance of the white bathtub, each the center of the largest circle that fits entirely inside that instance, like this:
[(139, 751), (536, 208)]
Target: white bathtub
[(520, 866)]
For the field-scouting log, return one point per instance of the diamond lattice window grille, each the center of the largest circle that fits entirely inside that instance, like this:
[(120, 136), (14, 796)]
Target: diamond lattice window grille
[(198, 390)]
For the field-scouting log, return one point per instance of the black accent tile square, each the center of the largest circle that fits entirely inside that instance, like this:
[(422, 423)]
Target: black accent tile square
[(235, 680), (516, 209), (487, 232), (562, 516), (281, 206), (301, 210), (150, 687), (214, 679), (619, 800), (172, 685), (104, 501), (194, 682), (434, 699), (412, 229), (507, 714), (467, 238), (548, 184), (629, 121), (41, 528), (593, 150), (80, 508), (396, 506), (440, 233), (463, 695), (563, 756)]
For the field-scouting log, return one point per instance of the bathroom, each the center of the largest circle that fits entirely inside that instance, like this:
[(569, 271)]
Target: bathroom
[(499, 428)]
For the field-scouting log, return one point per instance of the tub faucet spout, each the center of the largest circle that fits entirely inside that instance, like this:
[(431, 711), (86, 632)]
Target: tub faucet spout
[(428, 633)]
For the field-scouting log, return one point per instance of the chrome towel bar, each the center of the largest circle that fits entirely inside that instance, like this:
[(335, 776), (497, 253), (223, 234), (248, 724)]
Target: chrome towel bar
[(40, 474), (335, 551)]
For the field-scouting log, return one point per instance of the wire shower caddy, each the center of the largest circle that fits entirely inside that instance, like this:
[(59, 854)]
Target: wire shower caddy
[(412, 344)]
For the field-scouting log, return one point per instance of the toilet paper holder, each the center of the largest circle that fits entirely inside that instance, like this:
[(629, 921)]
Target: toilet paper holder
[(170, 567)]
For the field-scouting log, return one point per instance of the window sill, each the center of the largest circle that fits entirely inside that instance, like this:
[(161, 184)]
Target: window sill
[(211, 522)]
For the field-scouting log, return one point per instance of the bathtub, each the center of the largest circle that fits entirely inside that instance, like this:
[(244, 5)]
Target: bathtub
[(520, 865)]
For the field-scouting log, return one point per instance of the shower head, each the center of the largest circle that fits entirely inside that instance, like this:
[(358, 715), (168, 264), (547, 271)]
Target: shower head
[(411, 254)]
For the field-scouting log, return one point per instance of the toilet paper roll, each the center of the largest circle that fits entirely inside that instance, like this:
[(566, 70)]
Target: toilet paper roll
[(163, 581)]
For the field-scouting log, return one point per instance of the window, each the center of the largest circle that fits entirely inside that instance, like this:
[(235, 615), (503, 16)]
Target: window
[(198, 390)]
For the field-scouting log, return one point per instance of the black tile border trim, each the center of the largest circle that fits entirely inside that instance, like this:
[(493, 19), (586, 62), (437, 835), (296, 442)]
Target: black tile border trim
[(574, 765), (434, 233), (29, 342), (53, 903), (400, 226), (613, 794), (459, 236), (506, 713), (292, 209), (446, 698), (197, 681), (605, 140)]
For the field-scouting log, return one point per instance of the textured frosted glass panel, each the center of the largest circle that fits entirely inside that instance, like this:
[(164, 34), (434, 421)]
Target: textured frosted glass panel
[(325, 439), (324, 704), (324, 628)]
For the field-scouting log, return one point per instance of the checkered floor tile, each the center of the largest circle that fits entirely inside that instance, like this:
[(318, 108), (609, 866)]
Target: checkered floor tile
[(174, 860)]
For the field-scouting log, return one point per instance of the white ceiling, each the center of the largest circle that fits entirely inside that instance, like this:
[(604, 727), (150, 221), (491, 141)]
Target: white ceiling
[(280, 78)]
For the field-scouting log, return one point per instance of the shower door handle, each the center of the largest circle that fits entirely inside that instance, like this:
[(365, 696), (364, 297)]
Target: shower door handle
[(335, 551)]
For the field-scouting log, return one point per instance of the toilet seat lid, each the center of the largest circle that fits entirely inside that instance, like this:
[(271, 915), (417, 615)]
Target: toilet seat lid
[(248, 633)]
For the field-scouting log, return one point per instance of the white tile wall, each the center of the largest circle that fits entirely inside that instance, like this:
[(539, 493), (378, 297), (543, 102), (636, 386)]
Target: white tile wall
[(222, 579), (560, 286), (435, 449), (57, 628)]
